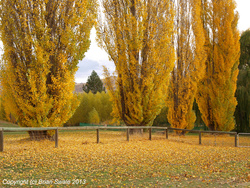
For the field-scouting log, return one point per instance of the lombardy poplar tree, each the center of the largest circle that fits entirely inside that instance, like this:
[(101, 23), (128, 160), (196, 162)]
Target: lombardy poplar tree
[(43, 42), (190, 63), (137, 35), (216, 91)]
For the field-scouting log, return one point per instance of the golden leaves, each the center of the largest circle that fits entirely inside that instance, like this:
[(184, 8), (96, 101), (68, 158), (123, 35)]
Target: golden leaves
[(217, 89), (43, 42), (189, 66), (137, 37), (116, 162)]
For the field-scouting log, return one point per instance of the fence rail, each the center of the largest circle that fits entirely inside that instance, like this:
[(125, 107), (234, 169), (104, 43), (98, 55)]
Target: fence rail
[(98, 128)]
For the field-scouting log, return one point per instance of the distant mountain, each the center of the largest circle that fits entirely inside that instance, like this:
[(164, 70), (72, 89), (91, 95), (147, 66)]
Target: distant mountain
[(78, 87)]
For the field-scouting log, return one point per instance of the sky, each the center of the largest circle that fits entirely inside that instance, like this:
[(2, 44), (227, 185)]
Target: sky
[(96, 58)]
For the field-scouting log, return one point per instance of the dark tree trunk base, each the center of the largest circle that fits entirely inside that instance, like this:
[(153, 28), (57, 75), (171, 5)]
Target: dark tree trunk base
[(41, 135), (180, 133), (136, 131)]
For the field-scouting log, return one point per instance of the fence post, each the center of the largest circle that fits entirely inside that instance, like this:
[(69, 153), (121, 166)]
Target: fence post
[(150, 133), (1, 139), (98, 135), (56, 138), (167, 133), (236, 140), (200, 137), (127, 134)]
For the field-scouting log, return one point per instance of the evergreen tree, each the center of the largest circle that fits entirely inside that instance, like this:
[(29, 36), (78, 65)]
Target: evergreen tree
[(199, 122), (161, 119), (245, 50), (94, 84), (242, 112)]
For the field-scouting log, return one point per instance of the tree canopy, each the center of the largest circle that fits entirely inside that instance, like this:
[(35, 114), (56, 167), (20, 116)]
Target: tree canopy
[(242, 112), (189, 67), (43, 42), (94, 84), (245, 50), (216, 91), (137, 35), (89, 101)]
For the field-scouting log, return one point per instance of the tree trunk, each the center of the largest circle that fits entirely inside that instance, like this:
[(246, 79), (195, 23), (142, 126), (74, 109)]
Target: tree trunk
[(41, 135), (136, 131), (180, 133)]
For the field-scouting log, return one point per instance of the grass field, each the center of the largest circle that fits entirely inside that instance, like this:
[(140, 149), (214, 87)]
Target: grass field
[(80, 161), (7, 124)]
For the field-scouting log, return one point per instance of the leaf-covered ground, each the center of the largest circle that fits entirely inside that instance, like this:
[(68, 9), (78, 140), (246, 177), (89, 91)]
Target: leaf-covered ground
[(117, 163)]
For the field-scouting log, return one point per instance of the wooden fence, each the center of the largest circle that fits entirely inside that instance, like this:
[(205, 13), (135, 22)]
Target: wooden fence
[(98, 128), (2, 130)]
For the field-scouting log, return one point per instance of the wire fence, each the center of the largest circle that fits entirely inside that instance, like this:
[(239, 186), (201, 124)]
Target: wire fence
[(22, 137)]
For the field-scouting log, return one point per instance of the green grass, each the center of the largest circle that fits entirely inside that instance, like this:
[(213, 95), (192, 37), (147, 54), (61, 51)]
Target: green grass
[(7, 124), (4, 124)]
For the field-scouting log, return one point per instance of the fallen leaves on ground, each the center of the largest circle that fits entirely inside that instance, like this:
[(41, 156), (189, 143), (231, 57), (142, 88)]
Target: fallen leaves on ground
[(117, 163)]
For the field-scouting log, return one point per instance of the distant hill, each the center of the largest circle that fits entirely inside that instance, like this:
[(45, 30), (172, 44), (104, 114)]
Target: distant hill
[(78, 87)]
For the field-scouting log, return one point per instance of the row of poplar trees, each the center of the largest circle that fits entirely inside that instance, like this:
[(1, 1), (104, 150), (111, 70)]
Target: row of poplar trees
[(172, 51), (165, 52)]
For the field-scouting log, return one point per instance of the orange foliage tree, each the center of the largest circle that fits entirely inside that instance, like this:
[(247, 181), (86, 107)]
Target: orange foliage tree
[(43, 42), (137, 35), (189, 66), (216, 91)]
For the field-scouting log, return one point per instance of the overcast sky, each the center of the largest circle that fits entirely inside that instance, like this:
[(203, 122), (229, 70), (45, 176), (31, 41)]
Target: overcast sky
[(95, 58)]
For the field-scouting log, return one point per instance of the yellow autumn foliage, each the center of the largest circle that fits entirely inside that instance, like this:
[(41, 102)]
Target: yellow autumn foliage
[(43, 42), (94, 117), (216, 91), (137, 35), (189, 66)]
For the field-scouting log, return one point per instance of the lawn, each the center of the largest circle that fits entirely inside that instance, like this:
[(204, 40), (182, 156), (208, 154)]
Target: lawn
[(7, 124), (114, 162)]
